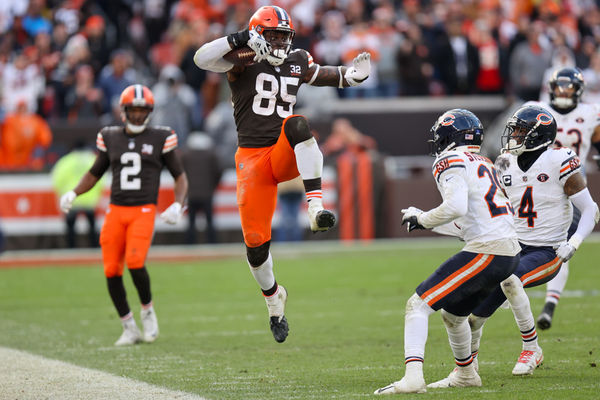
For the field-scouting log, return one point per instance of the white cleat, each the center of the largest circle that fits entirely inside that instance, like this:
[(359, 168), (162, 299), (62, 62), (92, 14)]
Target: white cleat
[(150, 324), (130, 336), (459, 377), (528, 361), (320, 219), (404, 385), (277, 321)]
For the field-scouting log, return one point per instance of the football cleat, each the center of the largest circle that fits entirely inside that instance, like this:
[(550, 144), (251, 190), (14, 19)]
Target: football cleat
[(544, 321), (320, 219), (150, 324), (405, 385), (459, 377), (277, 321), (131, 335), (528, 361)]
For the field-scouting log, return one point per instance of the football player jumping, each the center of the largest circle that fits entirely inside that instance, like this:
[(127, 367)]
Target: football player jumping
[(578, 129), (542, 183), (135, 154), (475, 209), (274, 144)]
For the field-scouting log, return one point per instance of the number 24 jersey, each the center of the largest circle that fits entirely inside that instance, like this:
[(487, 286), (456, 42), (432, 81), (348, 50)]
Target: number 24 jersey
[(543, 211)]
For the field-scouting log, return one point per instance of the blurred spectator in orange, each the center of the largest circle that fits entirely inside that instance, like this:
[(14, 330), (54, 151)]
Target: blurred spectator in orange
[(25, 138), (358, 40), (84, 100)]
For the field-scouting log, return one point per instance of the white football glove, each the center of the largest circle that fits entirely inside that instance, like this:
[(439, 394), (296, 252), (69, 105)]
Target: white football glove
[(172, 214), (261, 47), (360, 69), (66, 201), (411, 216), (566, 250)]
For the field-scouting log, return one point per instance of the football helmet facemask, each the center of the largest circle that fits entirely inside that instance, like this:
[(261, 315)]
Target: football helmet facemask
[(530, 128), (456, 128), (566, 87), (136, 102), (276, 26)]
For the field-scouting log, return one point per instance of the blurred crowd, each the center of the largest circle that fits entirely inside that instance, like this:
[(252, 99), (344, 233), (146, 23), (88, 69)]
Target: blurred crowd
[(69, 60)]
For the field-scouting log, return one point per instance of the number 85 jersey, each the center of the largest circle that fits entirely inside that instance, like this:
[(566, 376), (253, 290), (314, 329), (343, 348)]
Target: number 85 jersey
[(543, 211), (264, 95)]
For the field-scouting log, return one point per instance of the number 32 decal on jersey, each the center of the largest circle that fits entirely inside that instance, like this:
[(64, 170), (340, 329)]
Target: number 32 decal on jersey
[(267, 88)]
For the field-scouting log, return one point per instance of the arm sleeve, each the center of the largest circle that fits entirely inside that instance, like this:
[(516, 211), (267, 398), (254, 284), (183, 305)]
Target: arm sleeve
[(589, 215), (100, 165), (210, 56), (455, 193)]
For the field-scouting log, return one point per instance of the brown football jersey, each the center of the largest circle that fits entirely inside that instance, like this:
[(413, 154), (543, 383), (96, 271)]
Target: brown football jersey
[(264, 95), (136, 162)]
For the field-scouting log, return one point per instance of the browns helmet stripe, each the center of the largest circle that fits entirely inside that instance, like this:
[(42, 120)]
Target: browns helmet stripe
[(139, 92), (282, 15)]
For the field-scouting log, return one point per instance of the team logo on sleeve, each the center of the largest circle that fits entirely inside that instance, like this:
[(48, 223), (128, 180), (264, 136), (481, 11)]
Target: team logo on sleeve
[(507, 180), (542, 177), (574, 163)]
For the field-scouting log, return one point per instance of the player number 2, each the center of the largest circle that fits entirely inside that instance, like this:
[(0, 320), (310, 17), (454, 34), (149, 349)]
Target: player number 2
[(265, 100), (495, 210), (132, 165)]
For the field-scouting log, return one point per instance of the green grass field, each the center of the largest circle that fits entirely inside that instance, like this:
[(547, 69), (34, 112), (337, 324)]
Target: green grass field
[(346, 315)]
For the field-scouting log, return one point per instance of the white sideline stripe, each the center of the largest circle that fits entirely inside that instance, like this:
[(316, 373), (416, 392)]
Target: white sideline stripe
[(25, 376)]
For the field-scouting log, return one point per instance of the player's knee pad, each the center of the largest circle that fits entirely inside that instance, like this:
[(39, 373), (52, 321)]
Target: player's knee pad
[(416, 305), (451, 320), (296, 130), (258, 255)]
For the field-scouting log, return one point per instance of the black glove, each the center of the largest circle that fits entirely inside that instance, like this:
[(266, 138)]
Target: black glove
[(238, 39), (413, 223)]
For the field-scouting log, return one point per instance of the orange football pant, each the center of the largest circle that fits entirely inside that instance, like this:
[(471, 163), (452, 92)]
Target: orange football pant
[(259, 170), (126, 237)]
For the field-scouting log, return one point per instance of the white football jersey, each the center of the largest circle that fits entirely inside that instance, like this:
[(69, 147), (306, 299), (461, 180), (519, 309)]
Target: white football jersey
[(489, 217), (543, 211), (576, 128)]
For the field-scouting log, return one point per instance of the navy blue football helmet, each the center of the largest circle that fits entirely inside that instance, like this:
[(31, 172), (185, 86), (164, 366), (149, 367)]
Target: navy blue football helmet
[(566, 87), (530, 128), (454, 128)]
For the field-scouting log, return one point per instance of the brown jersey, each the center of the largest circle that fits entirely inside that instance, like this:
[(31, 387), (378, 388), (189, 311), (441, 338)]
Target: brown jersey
[(136, 162), (264, 95)]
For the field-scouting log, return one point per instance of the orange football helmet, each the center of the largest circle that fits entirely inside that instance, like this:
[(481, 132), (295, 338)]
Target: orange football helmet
[(275, 24), (136, 102)]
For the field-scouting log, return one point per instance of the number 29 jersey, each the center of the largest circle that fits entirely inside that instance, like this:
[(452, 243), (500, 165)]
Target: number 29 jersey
[(488, 217), (264, 95), (543, 211)]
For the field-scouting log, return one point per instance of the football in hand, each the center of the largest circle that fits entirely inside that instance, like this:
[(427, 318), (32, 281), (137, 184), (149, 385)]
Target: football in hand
[(242, 56)]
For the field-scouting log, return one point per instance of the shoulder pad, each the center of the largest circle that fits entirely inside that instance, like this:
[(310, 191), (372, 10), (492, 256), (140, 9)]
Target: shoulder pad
[(111, 130)]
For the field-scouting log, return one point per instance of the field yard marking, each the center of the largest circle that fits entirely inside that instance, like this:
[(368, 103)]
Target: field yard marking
[(25, 376)]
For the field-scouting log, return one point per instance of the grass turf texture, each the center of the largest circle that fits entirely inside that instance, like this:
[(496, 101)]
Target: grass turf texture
[(346, 315)]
